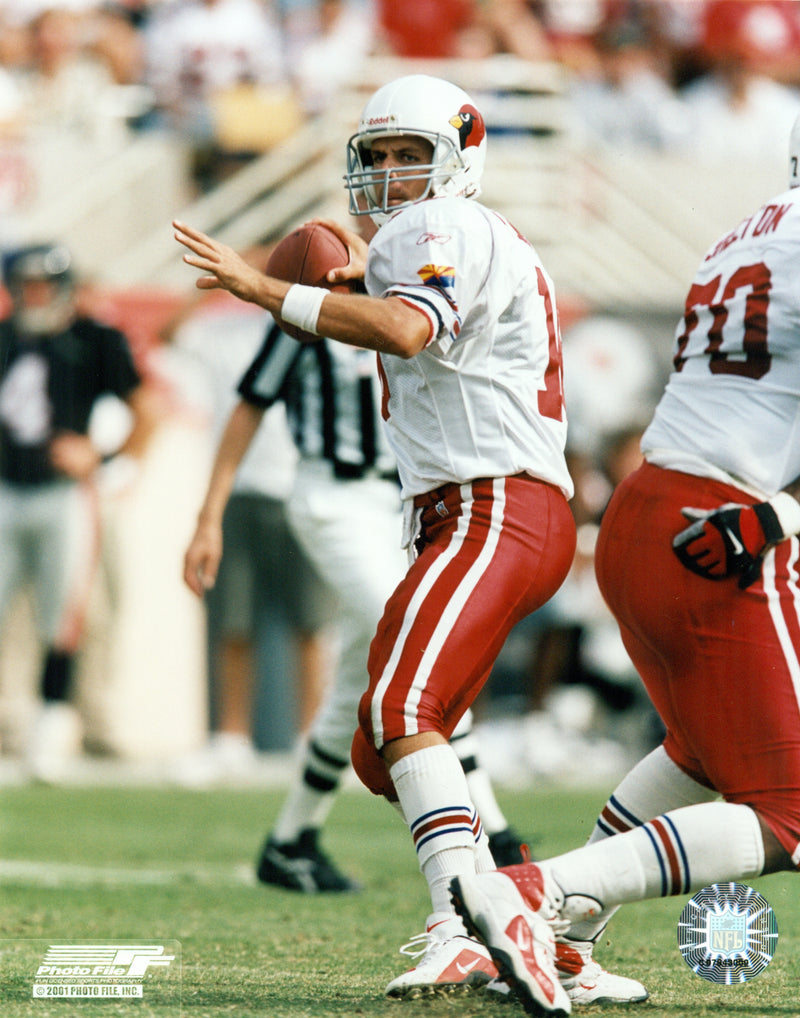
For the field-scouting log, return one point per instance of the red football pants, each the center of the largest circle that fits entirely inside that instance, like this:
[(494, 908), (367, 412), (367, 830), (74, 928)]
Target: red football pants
[(719, 663), (490, 552)]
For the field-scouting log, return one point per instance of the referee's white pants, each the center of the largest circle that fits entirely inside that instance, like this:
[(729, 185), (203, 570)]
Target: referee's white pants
[(351, 531)]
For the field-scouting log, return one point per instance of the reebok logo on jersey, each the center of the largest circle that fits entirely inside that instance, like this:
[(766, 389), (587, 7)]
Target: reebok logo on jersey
[(443, 277), (433, 238)]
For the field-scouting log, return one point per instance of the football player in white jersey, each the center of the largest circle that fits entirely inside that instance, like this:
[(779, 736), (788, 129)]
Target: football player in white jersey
[(710, 612), (343, 510), (463, 317)]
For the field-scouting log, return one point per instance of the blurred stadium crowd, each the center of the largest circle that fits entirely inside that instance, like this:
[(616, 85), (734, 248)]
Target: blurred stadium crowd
[(233, 79), (240, 75)]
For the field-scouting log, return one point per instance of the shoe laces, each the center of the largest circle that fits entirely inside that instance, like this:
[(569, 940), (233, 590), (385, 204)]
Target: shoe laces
[(423, 943), (419, 944)]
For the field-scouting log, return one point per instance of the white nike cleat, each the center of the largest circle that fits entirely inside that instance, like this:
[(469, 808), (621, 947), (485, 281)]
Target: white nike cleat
[(587, 982), (519, 938), (450, 961), (584, 979)]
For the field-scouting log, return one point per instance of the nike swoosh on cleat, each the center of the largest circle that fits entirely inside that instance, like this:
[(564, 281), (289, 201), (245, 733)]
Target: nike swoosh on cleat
[(463, 969), (290, 865), (300, 869)]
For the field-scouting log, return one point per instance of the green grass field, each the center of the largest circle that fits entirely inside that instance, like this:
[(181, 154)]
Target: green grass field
[(161, 865)]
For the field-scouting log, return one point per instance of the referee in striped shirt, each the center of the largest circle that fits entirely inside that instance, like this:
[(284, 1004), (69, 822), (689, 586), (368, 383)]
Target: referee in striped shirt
[(332, 399)]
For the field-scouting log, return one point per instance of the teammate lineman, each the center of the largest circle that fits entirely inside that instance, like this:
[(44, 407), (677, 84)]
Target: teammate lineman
[(463, 317), (709, 614)]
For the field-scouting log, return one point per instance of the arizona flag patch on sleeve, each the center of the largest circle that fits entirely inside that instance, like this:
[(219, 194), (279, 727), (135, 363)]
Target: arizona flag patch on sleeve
[(441, 276)]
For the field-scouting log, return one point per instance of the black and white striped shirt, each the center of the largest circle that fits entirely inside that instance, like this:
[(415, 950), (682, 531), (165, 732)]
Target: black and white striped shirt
[(332, 396)]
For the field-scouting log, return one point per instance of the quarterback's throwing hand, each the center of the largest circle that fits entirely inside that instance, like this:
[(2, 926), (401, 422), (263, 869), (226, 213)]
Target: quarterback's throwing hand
[(226, 269), (729, 541)]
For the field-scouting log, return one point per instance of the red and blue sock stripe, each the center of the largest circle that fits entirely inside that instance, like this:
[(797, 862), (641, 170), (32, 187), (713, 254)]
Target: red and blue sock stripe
[(441, 823)]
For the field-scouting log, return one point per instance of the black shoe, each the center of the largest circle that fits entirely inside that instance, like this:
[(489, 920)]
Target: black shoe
[(301, 866), (507, 849)]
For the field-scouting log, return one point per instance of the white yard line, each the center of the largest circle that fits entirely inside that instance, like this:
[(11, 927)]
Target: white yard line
[(60, 874)]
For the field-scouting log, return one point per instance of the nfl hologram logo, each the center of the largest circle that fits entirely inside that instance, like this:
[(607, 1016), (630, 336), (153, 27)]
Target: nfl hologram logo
[(727, 933)]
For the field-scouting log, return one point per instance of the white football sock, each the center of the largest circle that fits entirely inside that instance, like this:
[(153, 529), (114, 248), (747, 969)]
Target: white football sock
[(435, 801), (465, 743), (312, 795), (676, 853), (654, 786)]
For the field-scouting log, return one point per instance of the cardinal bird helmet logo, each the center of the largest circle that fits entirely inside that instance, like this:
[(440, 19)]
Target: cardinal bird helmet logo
[(470, 126)]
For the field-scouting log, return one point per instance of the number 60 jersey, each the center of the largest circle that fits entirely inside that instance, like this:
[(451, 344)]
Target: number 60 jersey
[(731, 408)]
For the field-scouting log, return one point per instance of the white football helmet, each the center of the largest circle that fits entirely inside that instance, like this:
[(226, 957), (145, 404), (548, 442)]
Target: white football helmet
[(423, 107), (794, 155)]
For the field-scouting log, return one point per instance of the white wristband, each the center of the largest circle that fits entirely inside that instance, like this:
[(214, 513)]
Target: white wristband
[(787, 509), (301, 306)]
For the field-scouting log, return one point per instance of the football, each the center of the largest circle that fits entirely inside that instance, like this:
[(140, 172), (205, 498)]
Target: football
[(307, 255)]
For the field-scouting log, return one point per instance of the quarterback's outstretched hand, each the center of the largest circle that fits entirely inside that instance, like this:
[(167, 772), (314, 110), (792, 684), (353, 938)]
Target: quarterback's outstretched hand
[(226, 270), (730, 540)]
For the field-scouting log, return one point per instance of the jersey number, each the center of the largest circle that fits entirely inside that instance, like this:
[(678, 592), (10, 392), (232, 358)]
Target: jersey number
[(24, 403), (551, 398), (713, 297), (384, 389)]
